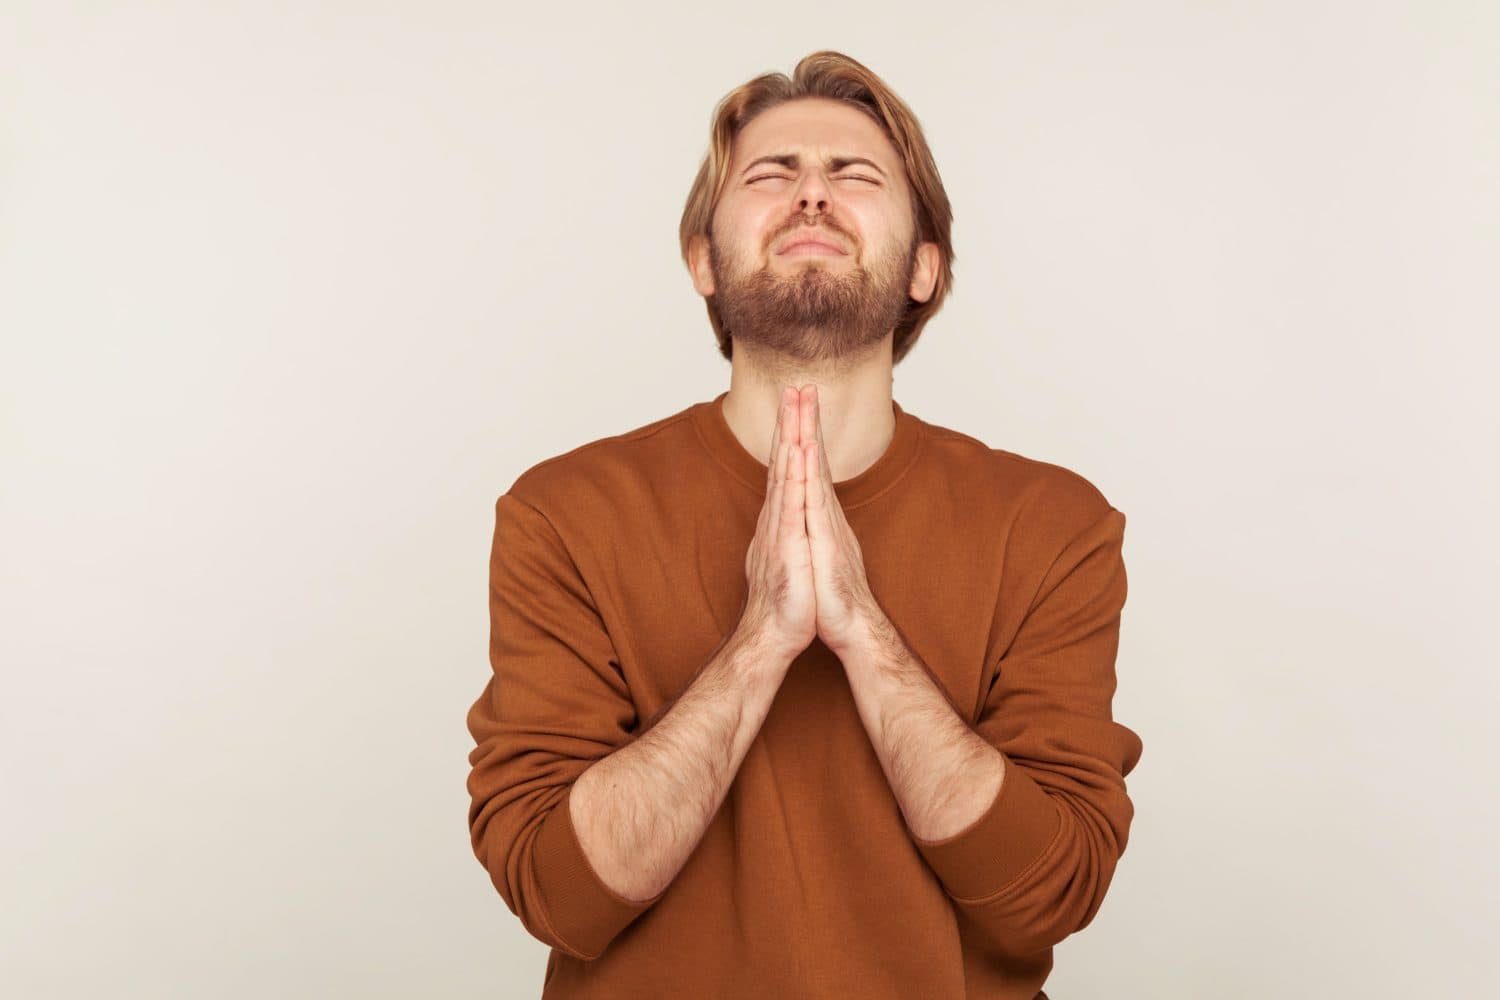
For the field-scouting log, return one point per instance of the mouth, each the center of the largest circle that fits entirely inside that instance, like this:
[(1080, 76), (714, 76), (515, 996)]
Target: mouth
[(810, 248)]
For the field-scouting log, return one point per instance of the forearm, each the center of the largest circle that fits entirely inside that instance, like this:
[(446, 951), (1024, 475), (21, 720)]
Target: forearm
[(640, 811), (943, 774)]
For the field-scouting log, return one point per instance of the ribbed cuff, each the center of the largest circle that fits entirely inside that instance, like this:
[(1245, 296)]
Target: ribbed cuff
[(583, 911), (1000, 845)]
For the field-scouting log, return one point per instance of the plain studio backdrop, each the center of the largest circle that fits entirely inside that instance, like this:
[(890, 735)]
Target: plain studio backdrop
[(291, 293)]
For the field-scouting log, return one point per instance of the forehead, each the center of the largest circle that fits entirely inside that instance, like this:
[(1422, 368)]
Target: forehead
[(814, 126)]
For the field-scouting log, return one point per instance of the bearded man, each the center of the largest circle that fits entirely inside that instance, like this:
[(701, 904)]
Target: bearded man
[(793, 693)]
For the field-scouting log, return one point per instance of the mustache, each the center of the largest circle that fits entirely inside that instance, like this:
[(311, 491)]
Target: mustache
[(803, 228)]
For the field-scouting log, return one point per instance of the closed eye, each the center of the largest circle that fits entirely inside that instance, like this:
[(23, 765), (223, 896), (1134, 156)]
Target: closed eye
[(779, 177)]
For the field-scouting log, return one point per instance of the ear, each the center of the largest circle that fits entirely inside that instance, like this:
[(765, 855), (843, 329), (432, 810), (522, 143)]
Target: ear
[(699, 264), (924, 276)]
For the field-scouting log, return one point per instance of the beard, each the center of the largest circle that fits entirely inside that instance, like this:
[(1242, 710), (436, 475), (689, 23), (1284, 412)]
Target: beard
[(821, 313)]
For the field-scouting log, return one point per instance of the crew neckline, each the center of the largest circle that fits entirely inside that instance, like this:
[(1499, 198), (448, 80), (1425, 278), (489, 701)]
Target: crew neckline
[(720, 440)]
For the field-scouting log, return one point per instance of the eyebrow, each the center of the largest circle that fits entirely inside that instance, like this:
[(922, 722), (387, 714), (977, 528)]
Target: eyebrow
[(791, 161)]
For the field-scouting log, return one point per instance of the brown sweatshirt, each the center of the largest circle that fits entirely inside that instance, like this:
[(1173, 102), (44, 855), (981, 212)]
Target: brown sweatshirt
[(616, 570)]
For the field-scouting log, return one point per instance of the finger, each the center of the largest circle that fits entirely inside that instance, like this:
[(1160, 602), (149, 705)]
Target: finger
[(805, 415), (789, 452), (767, 524), (822, 449), (793, 511), (775, 441), (778, 490), (821, 494), (772, 468), (815, 495), (828, 509), (833, 510), (825, 512)]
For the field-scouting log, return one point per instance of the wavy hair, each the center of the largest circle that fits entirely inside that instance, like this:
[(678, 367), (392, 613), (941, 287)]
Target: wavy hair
[(835, 76)]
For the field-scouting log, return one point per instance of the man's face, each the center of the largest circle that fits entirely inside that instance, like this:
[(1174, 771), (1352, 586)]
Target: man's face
[(813, 304)]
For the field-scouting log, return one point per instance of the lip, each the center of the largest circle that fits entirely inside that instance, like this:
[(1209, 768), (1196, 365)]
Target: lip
[(800, 246)]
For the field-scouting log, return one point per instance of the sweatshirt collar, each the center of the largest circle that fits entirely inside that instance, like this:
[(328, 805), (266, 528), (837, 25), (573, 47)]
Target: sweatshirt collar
[(719, 439)]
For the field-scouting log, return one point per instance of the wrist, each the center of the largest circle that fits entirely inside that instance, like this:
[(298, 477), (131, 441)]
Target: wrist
[(864, 639), (757, 652)]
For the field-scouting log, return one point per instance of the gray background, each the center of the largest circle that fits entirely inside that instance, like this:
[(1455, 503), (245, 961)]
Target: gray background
[(291, 292)]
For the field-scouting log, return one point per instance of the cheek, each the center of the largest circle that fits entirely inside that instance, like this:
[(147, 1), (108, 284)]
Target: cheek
[(744, 226)]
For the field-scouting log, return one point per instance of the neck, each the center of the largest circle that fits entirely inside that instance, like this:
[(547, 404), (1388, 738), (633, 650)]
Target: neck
[(854, 402)]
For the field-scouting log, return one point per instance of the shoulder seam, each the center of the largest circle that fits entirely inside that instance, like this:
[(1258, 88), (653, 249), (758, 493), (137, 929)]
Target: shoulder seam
[(638, 434)]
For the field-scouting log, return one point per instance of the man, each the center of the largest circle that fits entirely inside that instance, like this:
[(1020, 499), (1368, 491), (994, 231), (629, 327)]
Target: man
[(795, 694)]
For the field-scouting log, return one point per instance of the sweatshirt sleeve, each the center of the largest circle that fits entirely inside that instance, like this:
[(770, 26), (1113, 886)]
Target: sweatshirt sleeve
[(555, 703), (1035, 867)]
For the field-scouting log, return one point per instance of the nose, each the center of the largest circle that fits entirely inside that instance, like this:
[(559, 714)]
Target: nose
[(812, 192)]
